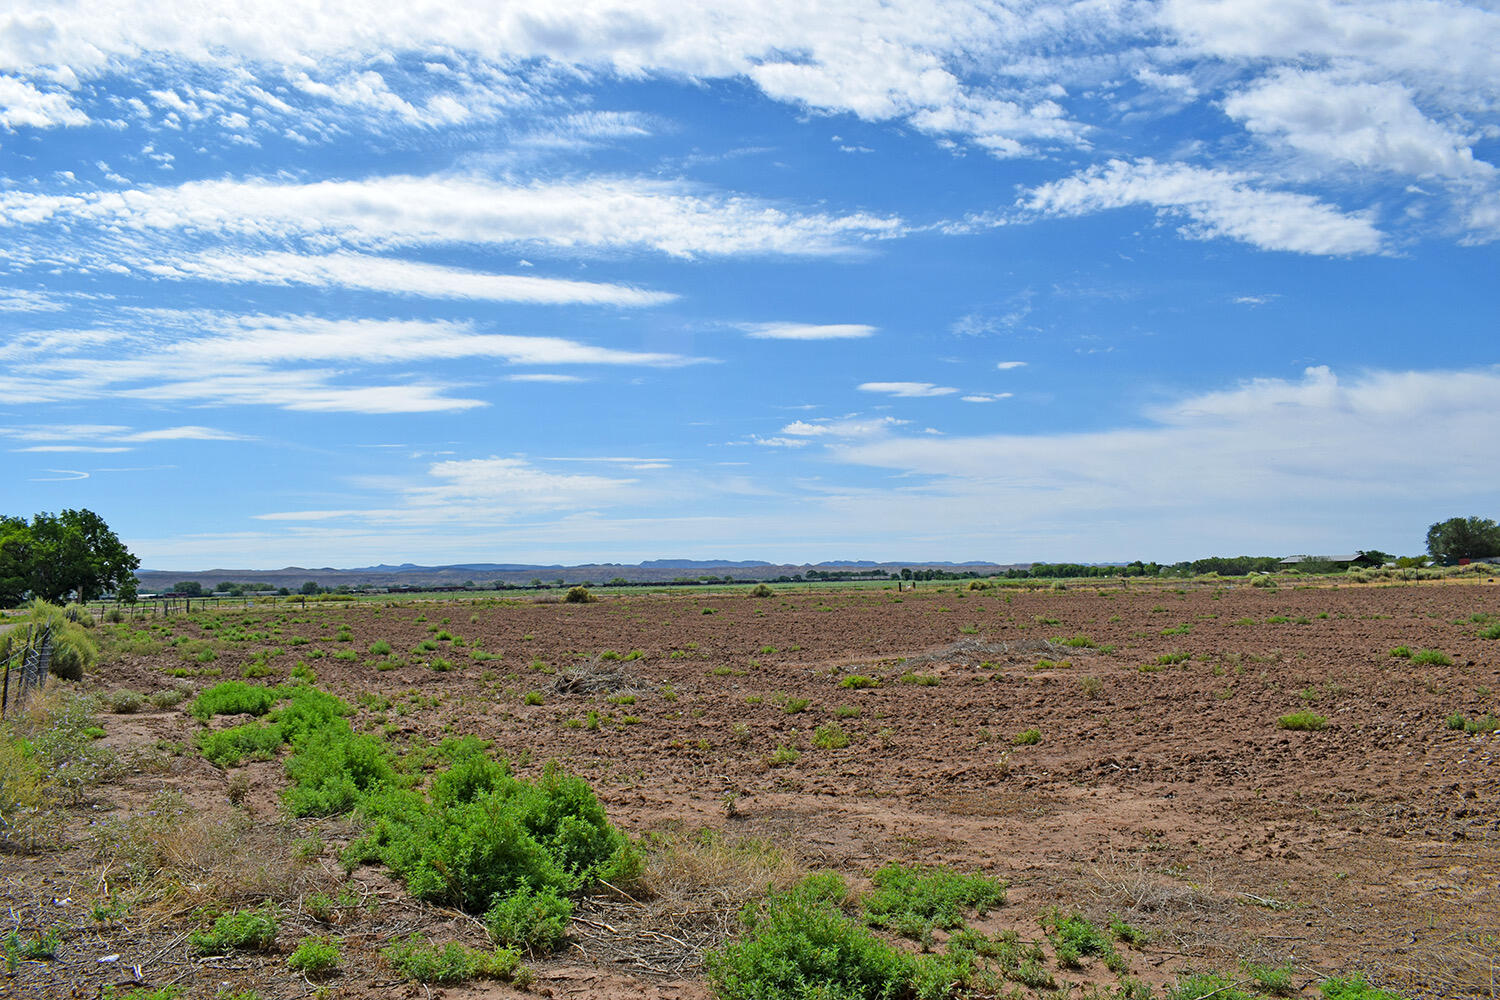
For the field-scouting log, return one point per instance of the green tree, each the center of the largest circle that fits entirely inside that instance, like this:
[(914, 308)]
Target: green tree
[(1463, 538), (55, 557), (310, 588), (188, 588)]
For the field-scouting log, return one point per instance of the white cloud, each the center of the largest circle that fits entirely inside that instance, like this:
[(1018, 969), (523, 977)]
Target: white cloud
[(1345, 445), (779, 441), (849, 427), (985, 397), (907, 389), (921, 65), (402, 211), (808, 331), (1215, 204), (1368, 126), (293, 362), (1006, 366), (22, 105), (549, 378), (388, 274)]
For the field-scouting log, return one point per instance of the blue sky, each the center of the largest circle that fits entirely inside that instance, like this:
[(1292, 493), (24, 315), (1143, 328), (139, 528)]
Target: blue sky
[(319, 284)]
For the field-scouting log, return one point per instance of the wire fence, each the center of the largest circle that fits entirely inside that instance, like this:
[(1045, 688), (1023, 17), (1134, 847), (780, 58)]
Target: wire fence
[(25, 671)]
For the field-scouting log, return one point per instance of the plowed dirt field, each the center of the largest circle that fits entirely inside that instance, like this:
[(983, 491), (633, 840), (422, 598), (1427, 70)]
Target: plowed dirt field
[(1159, 786)]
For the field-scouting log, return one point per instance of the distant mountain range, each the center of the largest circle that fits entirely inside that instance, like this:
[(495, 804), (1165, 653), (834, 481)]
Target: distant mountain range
[(487, 574)]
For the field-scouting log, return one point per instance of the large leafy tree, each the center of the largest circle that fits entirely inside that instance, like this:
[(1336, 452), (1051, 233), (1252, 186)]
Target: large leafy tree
[(59, 556), (1463, 538)]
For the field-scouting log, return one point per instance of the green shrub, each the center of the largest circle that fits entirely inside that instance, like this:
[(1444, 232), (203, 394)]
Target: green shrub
[(761, 590), (533, 919), (234, 698), (798, 945), (1432, 658), (315, 957), (380, 648), (485, 833), (245, 930), (921, 680), (533, 697), (579, 595), (1027, 737), (859, 681), (1402, 652), (912, 900), (1493, 632), (418, 959), (307, 711), (794, 705), (332, 768), (229, 747), (73, 649), (1306, 720)]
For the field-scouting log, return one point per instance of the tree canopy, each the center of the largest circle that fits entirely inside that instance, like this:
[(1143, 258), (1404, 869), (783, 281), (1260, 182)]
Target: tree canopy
[(55, 557), (1463, 538)]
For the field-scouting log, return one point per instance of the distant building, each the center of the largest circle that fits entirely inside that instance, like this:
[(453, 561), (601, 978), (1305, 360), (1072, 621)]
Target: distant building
[(1357, 559)]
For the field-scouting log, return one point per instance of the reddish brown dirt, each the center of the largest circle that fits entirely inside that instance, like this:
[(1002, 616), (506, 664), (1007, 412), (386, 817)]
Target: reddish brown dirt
[(1169, 795)]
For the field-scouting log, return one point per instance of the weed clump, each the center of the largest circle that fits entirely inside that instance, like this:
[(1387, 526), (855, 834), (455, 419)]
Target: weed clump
[(579, 595), (913, 900), (1306, 721), (242, 930), (315, 957)]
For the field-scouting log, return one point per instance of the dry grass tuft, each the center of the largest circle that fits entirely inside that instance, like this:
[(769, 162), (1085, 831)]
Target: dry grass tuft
[(687, 900), (179, 857)]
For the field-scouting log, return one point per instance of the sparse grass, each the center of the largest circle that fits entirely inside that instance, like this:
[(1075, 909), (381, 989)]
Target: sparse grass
[(1475, 726), (1306, 721), (830, 736), (921, 680), (1493, 632), (1027, 737), (533, 698), (1431, 658), (792, 706), (1402, 652), (420, 960), (1091, 686), (857, 681)]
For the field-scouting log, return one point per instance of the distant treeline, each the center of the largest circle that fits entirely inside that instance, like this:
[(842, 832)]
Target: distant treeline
[(1222, 565)]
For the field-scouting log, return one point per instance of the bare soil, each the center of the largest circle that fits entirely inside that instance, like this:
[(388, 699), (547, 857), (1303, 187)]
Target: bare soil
[(1168, 795)]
